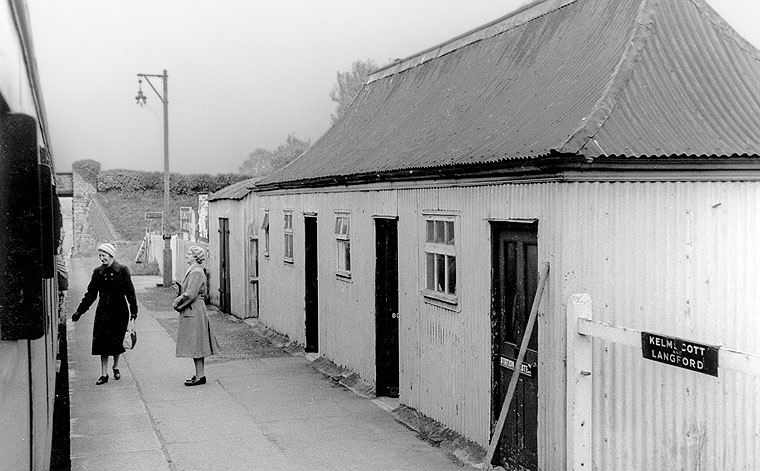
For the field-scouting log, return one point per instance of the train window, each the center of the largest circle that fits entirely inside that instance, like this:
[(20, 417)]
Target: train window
[(47, 220), (21, 287)]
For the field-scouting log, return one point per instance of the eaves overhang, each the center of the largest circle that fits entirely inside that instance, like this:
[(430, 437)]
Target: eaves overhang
[(513, 168), (553, 166)]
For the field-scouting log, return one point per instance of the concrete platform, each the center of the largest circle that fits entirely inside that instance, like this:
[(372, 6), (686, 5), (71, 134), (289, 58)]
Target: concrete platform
[(273, 413)]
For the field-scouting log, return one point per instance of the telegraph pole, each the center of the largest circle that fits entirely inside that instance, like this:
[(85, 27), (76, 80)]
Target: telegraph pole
[(141, 99)]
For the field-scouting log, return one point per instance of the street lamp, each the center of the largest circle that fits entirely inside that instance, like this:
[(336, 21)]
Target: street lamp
[(141, 99)]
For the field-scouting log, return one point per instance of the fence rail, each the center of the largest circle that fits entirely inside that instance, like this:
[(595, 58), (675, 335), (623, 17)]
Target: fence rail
[(581, 329), (179, 246)]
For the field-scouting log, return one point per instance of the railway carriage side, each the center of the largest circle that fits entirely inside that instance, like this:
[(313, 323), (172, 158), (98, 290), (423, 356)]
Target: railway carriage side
[(29, 236)]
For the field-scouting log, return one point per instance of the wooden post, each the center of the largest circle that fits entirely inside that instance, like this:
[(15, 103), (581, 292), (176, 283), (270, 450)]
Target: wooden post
[(518, 367), (579, 385)]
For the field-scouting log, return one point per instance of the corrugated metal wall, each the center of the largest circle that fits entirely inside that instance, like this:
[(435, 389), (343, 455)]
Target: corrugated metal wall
[(673, 258), (234, 211), (282, 284), (450, 369), (445, 355), (678, 259), (346, 306)]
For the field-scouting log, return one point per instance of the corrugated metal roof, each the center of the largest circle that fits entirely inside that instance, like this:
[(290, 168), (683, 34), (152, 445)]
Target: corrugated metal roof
[(584, 77), (695, 90), (235, 191)]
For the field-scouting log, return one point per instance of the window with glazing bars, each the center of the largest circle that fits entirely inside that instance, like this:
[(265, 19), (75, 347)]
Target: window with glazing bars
[(288, 233), (343, 243), (440, 256), (265, 230)]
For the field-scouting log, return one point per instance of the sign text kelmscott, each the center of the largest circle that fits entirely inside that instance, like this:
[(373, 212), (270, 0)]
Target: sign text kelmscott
[(679, 352)]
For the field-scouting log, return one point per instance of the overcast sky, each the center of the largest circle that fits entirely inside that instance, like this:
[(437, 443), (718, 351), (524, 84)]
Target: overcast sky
[(242, 73)]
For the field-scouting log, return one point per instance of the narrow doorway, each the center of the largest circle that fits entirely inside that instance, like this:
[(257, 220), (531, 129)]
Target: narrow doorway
[(386, 307), (514, 283), (252, 293), (224, 265), (311, 290)]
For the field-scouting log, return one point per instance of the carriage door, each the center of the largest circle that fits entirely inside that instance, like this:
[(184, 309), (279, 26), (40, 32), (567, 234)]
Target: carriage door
[(311, 289), (252, 293), (515, 275), (224, 265), (386, 307)]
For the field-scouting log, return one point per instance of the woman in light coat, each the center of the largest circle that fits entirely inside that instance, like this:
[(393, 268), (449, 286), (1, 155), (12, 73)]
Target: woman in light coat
[(194, 336)]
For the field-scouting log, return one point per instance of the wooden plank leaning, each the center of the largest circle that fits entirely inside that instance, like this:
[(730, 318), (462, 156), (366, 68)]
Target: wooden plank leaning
[(518, 366)]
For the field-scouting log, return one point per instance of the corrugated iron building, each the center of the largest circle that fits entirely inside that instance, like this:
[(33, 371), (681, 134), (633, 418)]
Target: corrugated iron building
[(229, 284), (617, 140)]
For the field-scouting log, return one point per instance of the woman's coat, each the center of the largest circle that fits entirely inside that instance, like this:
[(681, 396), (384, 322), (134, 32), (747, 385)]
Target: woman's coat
[(194, 336), (112, 285)]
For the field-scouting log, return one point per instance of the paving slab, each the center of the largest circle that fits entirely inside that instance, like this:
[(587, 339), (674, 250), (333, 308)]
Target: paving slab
[(263, 408)]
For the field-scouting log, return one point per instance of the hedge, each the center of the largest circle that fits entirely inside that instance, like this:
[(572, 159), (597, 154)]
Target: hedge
[(88, 169), (135, 181)]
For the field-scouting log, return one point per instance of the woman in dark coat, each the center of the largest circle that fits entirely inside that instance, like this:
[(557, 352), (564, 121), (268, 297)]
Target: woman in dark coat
[(195, 339), (112, 283)]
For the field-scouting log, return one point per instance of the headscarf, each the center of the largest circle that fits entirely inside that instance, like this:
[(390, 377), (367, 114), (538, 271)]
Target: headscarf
[(107, 248), (198, 253)]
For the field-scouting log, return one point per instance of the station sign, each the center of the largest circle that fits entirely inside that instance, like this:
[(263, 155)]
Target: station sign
[(526, 369), (681, 353)]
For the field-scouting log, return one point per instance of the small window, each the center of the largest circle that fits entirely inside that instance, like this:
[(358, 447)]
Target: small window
[(440, 258), (343, 244), (288, 233), (265, 230)]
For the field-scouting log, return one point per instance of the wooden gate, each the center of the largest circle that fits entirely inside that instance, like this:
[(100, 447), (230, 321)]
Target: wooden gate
[(707, 362)]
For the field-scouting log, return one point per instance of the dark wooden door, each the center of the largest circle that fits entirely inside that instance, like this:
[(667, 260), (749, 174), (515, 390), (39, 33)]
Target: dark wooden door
[(311, 290), (386, 307), (224, 265), (515, 278)]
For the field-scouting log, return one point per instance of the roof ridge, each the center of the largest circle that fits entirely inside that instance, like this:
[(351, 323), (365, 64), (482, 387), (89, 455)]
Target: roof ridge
[(618, 81), (511, 20), (725, 28)]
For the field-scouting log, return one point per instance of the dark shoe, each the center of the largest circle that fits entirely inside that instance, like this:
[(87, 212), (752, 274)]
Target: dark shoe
[(101, 380), (195, 381), (116, 374)]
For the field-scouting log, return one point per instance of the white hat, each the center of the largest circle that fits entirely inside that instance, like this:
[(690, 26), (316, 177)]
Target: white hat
[(107, 248)]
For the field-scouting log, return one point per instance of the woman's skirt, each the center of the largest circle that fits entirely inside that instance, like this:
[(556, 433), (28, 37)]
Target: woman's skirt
[(195, 339)]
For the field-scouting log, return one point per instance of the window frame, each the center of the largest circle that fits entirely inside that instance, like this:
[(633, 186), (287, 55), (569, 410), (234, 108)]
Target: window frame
[(342, 240), (265, 230), (450, 223), (287, 230)]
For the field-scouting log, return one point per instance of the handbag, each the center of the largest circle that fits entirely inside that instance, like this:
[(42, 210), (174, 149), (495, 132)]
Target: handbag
[(183, 304), (130, 337)]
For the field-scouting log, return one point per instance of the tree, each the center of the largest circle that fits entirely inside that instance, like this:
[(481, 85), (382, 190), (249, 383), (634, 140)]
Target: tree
[(258, 163), (348, 85), (287, 152), (261, 162)]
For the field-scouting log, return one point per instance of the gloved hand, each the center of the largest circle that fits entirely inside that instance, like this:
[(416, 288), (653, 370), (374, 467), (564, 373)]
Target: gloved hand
[(75, 317)]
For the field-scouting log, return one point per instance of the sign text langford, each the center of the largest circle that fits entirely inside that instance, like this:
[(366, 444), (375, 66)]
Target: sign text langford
[(679, 352)]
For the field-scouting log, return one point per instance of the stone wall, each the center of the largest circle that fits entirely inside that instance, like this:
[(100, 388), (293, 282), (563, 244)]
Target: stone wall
[(91, 222), (84, 239)]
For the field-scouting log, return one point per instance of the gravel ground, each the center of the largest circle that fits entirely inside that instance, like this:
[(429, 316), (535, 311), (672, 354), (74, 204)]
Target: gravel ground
[(237, 339)]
